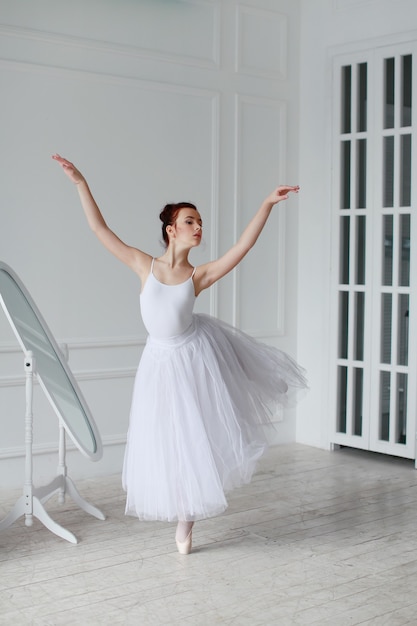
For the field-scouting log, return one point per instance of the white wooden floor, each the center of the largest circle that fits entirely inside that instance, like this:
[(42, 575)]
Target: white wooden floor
[(326, 538)]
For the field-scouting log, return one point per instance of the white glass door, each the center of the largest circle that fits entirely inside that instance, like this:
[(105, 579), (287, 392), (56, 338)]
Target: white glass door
[(374, 231)]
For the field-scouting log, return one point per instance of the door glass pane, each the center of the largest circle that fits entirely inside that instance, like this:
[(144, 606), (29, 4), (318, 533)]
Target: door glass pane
[(402, 346), (345, 175), (388, 172), (404, 251), (362, 97), (405, 170), (386, 321), (387, 249), (359, 325), (344, 249), (406, 90), (341, 398), (401, 422), (343, 324), (357, 401), (361, 174), (384, 405), (346, 99), (389, 93), (360, 249)]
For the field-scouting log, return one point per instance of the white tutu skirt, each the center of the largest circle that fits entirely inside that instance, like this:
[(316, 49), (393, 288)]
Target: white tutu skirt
[(200, 401)]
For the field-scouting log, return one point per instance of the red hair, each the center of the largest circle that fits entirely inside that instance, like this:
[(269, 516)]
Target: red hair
[(169, 214)]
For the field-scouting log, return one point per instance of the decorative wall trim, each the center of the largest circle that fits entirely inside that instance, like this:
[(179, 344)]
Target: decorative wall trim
[(117, 373), (128, 342), (9, 348), (280, 107), (111, 79), (69, 345), (266, 19), (215, 168), (41, 449), (116, 48), (340, 6), (81, 374)]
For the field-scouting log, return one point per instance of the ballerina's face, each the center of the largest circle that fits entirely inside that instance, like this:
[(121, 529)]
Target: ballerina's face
[(188, 226)]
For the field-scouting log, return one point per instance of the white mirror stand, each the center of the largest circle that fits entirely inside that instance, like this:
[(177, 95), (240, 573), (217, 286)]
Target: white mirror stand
[(32, 500)]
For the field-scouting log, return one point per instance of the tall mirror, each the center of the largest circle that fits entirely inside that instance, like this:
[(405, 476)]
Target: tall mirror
[(52, 370), (44, 358)]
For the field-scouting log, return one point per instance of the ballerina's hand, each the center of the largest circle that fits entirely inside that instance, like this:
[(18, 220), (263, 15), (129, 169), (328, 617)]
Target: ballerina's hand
[(281, 193), (69, 169)]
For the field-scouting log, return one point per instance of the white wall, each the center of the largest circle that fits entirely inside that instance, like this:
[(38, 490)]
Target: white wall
[(155, 101), (328, 27)]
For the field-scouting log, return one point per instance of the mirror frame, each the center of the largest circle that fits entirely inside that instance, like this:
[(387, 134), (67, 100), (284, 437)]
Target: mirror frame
[(97, 451)]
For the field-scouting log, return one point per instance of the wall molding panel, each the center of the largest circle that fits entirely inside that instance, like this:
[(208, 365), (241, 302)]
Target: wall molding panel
[(201, 52), (41, 449), (91, 375), (346, 5), (261, 43), (111, 79), (250, 160), (86, 360)]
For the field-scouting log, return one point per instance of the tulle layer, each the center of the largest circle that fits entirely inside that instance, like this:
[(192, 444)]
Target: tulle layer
[(199, 403)]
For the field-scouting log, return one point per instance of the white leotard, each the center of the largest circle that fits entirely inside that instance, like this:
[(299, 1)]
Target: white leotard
[(167, 310)]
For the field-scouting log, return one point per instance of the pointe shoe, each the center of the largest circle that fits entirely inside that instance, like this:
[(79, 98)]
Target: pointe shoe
[(184, 547)]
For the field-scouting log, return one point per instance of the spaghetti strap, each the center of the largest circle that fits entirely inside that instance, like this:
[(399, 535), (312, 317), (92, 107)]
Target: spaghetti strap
[(153, 261), (192, 275)]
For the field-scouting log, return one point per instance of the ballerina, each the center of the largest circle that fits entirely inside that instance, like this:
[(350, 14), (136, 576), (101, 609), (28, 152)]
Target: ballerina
[(203, 389)]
